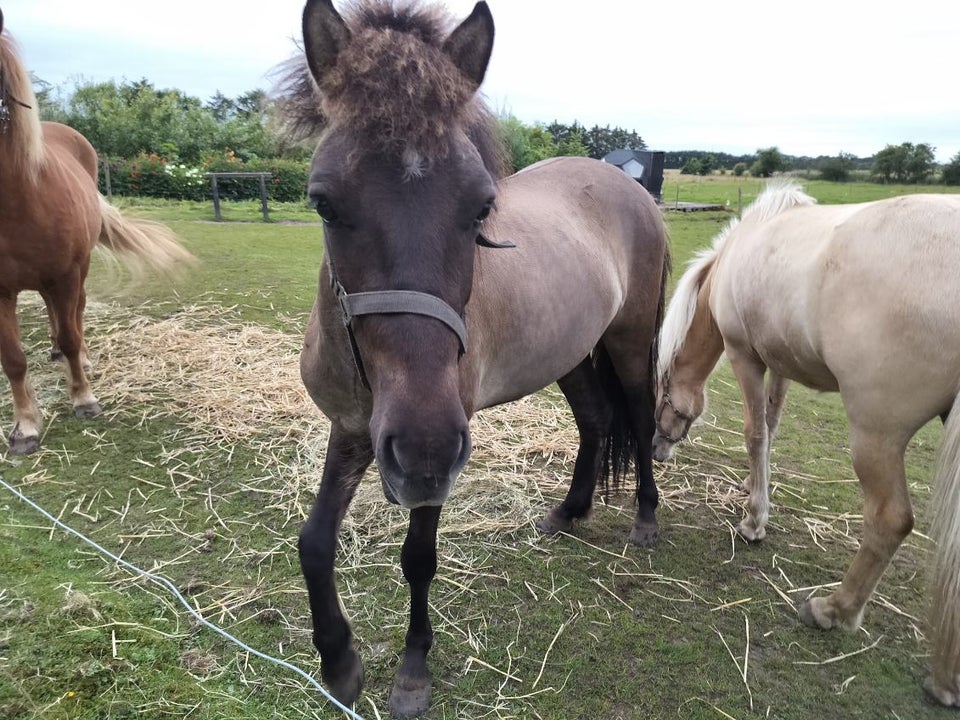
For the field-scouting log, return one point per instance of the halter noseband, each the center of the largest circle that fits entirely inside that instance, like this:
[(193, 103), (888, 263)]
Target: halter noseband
[(685, 417)]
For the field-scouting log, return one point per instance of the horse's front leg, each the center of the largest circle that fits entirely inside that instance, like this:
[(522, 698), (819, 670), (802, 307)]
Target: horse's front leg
[(27, 421), (410, 696), (347, 459), (756, 434)]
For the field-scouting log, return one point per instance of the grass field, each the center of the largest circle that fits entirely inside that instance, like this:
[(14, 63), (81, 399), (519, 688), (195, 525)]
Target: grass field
[(203, 465)]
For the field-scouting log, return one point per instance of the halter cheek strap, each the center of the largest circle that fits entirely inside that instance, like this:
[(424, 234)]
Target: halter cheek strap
[(5, 99), (685, 417)]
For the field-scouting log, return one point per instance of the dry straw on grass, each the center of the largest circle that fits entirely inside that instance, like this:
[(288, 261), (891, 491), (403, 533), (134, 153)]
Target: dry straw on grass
[(230, 384)]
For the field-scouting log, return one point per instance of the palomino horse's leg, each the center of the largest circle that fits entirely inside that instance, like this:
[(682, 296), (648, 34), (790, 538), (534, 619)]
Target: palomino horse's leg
[(347, 459), (756, 433), (65, 302), (410, 696), (777, 386), (593, 414), (27, 421), (887, 520)]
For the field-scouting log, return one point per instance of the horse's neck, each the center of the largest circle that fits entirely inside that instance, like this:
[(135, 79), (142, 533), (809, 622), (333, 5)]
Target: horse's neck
[(703, 344)]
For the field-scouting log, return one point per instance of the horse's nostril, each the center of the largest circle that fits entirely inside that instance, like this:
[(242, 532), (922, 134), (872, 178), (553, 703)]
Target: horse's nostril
[(389, 454)]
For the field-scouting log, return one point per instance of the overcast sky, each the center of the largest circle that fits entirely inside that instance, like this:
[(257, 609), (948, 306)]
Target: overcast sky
[(815, 77)]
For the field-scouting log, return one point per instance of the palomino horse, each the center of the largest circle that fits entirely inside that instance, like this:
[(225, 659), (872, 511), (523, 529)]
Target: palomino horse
[(860, 299), (418, 324), (51, 216)]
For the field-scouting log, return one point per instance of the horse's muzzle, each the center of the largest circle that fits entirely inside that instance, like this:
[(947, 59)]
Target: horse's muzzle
[(417, 472), (662, 447)]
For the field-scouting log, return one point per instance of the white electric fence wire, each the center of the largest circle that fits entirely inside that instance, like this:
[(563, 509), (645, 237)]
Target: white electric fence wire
[(159, 579)]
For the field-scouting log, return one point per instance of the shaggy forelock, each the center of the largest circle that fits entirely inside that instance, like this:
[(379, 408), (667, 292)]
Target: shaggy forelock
[(393, 86)]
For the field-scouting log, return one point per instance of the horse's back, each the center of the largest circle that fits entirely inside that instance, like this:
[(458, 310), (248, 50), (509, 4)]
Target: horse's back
[(862, 298), (590, 250), (65, 140)]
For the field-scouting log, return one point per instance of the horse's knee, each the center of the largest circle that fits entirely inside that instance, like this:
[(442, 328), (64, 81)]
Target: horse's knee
[(14, 363)]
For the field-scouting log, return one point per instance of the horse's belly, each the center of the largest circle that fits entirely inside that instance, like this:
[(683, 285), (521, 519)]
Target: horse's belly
[(805, 369)]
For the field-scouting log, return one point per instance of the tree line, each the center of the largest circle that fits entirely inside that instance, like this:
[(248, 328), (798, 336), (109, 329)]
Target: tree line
[(142, 128)]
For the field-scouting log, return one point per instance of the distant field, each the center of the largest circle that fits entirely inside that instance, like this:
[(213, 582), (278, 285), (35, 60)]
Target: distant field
[(724, 189), (203, 467)]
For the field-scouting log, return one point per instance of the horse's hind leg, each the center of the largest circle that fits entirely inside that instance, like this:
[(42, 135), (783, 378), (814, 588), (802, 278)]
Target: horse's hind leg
[(27, 421), (593, 414), (633, 367), (347, 459), (56, 354), (66, 302), (887, 520)]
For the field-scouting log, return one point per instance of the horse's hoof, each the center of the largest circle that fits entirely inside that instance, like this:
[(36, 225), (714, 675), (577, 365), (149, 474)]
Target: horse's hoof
[(750, 532), (950, 698), (645, 534), (87, 410), (21, 444), (554, 522), (410, 696), (344, 680)]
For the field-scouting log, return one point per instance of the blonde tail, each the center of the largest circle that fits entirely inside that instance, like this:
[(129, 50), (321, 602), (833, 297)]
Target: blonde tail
[(141, 245), (944, 684)]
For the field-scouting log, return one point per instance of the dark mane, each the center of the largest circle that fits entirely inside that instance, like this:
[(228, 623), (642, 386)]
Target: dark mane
[(393, 87)]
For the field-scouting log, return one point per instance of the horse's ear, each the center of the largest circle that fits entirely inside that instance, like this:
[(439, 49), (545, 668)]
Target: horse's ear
[(470, 45), (324, 35)]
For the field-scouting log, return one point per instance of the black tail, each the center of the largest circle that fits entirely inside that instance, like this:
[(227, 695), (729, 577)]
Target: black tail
[(622, 444)]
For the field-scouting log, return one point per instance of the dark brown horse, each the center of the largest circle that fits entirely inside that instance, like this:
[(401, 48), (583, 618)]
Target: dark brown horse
[(51, 216), (418, 323)]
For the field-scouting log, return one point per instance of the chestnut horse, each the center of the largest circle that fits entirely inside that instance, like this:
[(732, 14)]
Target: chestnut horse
[(447, 288), (51, 216), (861, 299)]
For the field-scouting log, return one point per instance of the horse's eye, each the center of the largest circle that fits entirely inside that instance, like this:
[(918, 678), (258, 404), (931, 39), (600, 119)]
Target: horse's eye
[(326, 212), (483, 213)]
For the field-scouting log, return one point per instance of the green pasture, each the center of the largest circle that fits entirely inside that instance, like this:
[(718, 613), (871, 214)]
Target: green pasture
[(203, 465)]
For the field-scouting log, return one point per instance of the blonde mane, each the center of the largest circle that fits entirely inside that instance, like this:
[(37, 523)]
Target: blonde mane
[(21, 144), (776, 198), (683, 304)]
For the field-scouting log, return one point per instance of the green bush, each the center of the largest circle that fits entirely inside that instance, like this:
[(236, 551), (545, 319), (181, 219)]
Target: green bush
[(154, 176)]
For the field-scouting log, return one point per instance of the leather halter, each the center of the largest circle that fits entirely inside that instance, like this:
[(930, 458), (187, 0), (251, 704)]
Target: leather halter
[(5, 99), (390, 302), (685, 417)]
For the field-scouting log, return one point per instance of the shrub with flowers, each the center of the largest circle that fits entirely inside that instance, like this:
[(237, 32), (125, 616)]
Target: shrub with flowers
[(155, 176)]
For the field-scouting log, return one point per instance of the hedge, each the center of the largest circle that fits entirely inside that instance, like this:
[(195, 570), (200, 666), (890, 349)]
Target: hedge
[(156, 176)]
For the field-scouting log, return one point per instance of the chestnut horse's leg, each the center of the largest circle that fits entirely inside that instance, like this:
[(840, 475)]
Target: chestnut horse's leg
[(410, 696), (65, 301), (887, 520), (347, 459), (56, 354), (593, 415), (27, 421)]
